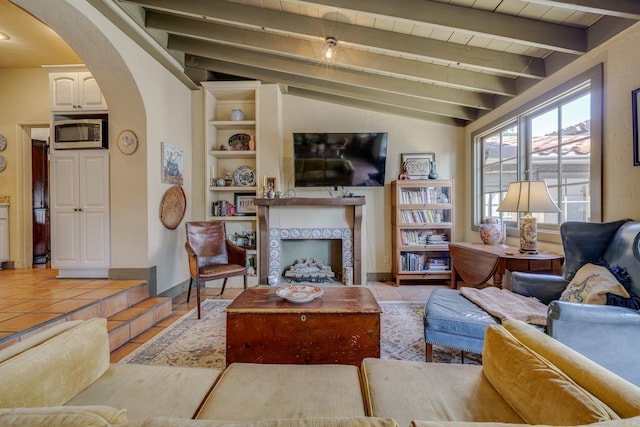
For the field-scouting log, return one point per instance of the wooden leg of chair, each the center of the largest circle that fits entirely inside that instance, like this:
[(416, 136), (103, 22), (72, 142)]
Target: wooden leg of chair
[(462, 357), (189, 291), (224, 283), (245, 281), (429, 352), (198, 294)]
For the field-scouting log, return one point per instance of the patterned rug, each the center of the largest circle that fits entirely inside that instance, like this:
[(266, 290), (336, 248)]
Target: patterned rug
[(193, 342)]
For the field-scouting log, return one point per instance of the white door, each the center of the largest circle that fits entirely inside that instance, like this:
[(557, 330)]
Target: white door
[(80, 235), (94, 208), (64, 204), (63, 88), (89, 94)]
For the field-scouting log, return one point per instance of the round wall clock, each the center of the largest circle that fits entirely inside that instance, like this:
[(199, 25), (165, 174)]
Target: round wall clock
[(127, 142), (3, 142), (3, 163)]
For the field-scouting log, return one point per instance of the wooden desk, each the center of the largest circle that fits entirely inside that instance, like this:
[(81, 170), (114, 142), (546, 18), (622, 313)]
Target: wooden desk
[(476, 263), (341, 326)]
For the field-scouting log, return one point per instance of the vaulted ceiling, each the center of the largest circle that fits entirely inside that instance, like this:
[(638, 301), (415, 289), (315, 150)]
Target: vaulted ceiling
[(444, 60), (449, 61)]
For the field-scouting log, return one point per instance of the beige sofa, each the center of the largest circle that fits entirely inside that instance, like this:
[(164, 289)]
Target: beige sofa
[(63, 377)]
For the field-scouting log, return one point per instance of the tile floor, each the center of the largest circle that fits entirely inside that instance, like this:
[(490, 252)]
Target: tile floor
[(32, 296)]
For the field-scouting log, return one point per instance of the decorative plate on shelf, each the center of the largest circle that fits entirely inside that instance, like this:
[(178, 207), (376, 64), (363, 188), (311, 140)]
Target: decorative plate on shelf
[(3, 142), (239, 141), (299, 293), (3, 163), (245, 176)]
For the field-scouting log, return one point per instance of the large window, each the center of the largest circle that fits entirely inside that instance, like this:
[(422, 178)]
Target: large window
[(555, 139)]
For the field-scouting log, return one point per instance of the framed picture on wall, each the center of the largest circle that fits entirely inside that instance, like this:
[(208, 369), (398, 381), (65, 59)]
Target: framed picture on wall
[(270, 183), (245, 203), (417, 165), (172, 164), (635, 97)]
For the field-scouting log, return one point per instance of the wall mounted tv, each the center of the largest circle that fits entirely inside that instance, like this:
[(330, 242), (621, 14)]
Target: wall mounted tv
[(339, 159)]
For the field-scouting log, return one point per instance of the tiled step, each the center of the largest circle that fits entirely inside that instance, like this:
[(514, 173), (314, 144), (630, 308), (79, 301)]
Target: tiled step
[(131, 322), (125, 304)]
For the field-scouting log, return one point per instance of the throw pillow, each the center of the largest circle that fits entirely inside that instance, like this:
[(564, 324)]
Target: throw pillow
[(633, 302), (537, 390), (591, 284)]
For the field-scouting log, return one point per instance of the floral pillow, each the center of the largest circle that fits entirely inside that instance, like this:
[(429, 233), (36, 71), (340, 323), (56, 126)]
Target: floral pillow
[(591, 284)]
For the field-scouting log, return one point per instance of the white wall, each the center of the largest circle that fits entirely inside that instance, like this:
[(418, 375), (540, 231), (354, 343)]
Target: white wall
[(144, 97), (24, 96), (621, 180), (406, 135)]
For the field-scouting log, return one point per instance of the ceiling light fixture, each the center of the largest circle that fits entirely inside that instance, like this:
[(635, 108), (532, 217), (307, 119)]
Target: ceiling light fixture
[(4, 36), (329, 51)]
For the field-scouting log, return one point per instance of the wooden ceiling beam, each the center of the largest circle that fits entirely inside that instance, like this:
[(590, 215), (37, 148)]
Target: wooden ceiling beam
[(346, 58), (332, 75), (514, 29), (371, 96), (379, 40), (629, 9)]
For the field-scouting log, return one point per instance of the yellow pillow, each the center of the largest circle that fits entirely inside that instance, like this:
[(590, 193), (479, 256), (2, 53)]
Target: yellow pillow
[(591, 284), (536, 390), (68, 416)]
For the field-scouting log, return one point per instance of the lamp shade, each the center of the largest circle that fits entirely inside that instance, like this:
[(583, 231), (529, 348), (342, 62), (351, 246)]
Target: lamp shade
[(528, 196)]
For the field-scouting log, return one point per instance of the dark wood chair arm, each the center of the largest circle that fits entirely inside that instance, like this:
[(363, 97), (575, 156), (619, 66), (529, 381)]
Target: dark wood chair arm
[(236, 254)]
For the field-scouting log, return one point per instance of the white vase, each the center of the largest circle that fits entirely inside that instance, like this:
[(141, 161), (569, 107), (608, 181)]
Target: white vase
[(237, 114)]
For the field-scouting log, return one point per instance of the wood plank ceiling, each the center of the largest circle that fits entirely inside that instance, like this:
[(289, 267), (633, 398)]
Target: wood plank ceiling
[(448, 61)]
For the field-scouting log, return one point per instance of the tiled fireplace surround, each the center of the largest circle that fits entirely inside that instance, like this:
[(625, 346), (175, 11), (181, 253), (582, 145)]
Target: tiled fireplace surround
[(277, 235), (276, 226)]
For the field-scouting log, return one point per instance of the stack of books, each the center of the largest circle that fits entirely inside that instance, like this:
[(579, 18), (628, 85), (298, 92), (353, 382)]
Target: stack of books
[(435, 239), (437, 264), (223, 208)]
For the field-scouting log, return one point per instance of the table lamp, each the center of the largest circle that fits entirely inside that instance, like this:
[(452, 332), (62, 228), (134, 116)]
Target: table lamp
[(527, 197)]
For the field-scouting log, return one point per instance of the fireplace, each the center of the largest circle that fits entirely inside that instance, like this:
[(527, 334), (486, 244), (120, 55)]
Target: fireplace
[(333, 246), (338, 220)]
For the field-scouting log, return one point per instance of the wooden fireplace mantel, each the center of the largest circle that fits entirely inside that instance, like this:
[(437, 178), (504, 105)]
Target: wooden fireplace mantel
[(312, 201), (263, 219)]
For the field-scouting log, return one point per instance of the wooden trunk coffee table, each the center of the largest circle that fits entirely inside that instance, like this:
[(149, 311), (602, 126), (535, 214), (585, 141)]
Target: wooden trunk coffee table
[(341, 326)]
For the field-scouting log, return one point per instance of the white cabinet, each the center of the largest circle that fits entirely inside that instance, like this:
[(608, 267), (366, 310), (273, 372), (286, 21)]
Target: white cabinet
[(4, 233), (80, 234), (75, 91)]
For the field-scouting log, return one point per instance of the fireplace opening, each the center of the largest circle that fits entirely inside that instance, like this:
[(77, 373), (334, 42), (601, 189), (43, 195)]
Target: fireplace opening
[(326, 251)]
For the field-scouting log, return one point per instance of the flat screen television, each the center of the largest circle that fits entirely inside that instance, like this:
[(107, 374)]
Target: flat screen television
[(339, 159)]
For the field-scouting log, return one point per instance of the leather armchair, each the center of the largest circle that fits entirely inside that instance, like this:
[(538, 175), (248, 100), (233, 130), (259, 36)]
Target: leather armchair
[(609, 335), (212, 256)]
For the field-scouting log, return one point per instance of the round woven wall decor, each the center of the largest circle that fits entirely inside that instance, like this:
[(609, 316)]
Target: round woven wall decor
[(173, 207)]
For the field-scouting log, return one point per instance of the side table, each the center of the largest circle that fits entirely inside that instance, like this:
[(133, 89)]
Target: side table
[(476, 263)]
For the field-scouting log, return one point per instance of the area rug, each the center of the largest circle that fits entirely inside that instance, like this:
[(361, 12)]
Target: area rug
[(193, 342)]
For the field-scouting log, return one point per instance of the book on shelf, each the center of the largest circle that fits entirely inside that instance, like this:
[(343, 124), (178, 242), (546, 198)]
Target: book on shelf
[(420, 216), (223, 208), (421, 196)]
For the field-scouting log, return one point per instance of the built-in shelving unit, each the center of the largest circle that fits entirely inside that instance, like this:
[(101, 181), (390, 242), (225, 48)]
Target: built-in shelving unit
[(422, 220), (220, 99)]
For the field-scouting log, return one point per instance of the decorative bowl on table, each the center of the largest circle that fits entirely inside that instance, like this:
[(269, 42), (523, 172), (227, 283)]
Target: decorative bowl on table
[(299, 293)]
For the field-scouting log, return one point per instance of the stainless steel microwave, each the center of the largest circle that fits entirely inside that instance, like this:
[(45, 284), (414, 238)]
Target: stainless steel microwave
[(80, 133)]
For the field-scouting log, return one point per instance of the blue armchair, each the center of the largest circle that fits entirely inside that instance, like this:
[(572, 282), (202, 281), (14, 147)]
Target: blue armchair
[(609, 335)]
